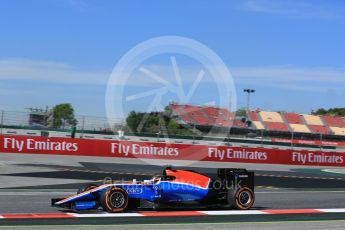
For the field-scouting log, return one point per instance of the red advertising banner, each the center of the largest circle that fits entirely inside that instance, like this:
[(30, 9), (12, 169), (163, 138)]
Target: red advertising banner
[(309, 142), (157, 150)]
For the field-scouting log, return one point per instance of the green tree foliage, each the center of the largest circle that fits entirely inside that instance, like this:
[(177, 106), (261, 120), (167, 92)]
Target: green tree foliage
[(241, 112), (173, 127), (62, 115), (331, 111), (133, 120), (167, 111), (185, 132), (151, 123)]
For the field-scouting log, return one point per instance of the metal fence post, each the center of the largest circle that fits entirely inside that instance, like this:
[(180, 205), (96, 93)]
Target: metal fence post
[(292, 137), (2, 121), (82, 127), (193, 133), (321, 142)]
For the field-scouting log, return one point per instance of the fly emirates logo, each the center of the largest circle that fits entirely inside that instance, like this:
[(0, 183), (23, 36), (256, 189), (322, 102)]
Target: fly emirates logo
[(137, 149), (12, 143), (316, 158), (230, 153)]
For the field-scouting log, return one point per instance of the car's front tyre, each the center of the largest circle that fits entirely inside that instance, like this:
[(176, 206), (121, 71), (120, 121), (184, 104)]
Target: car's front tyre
[(114, 199)]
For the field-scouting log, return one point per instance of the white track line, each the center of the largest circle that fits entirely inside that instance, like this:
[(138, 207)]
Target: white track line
[(165, 213), (332, 210), (233, 212), (78, 215), (303, 191)]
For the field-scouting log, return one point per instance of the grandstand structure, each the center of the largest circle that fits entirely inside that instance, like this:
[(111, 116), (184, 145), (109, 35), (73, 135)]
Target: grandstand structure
[(297, 123), (268, 121), (194, 115)]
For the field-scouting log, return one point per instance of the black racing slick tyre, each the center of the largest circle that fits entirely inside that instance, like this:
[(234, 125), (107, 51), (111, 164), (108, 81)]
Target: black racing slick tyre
[(243, 199), (86, 187), (114, 199)]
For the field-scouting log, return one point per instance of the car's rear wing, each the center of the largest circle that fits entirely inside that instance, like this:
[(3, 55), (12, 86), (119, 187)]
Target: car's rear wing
[(237, 177)]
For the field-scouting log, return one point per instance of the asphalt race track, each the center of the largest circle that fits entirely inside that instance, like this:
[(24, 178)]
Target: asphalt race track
[(31, 201), (27, 187)]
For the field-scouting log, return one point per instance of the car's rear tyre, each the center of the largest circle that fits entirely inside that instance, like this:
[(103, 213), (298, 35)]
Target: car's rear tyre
[(243, 199), (86, 187), (114, 199)]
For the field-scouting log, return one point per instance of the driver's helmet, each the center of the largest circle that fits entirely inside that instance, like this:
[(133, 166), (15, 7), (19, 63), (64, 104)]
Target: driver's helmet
[(155, 179)]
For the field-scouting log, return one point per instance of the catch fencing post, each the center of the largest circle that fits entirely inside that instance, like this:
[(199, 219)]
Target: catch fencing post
[(82, 127), (321, 142), (2, 121), (193, 134)]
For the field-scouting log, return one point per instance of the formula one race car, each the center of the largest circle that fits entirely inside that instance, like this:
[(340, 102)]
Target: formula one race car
[(233, 188)]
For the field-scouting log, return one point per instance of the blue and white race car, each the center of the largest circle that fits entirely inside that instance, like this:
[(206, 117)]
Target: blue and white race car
[(233, 188)]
